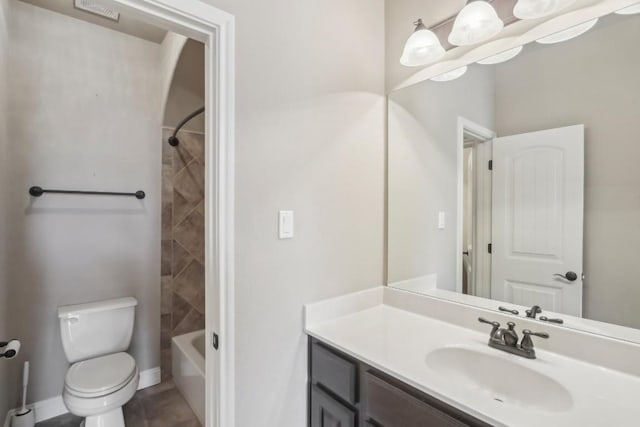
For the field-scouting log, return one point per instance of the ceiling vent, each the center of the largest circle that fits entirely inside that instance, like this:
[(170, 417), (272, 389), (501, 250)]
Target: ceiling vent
[(97, 9)]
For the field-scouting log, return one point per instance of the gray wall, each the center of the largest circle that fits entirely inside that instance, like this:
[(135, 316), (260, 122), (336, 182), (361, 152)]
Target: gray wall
[(186, 93), (84, 113), (310, 137), (592, 80), (5, 365), (422, 159)]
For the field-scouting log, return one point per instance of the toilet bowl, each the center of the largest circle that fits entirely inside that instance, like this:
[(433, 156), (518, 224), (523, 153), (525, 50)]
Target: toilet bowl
[(98, 388), (102, 377)]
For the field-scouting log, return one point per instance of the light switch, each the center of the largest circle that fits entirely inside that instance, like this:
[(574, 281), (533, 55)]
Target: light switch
[(285, 224), (441, 220)]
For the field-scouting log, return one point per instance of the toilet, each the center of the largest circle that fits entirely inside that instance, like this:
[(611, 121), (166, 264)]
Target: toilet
[(102, 376)]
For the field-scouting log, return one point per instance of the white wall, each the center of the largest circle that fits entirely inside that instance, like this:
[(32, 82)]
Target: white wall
[(4, 330), (422, 159), (310, 137), (171, 48), (84, 114), (186, 93)]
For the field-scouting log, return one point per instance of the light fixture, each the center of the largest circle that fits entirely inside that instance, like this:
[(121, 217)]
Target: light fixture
[(96, 8), (501, 57), (569, 33), (533, 9), (422, 47), (629, 10), (476, 22), (450, 75)]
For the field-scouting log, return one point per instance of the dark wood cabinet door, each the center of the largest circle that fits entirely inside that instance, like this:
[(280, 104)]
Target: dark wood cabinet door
[(328, 412), (390, 406)]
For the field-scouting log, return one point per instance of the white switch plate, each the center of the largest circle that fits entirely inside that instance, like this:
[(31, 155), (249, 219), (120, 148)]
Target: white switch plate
[(441, 220), (285, 224)]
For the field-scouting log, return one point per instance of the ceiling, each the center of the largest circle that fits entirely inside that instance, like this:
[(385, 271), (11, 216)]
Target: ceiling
[(125, 25)]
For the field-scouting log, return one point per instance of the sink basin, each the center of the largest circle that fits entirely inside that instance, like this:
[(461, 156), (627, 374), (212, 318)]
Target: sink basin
[(499, 379)]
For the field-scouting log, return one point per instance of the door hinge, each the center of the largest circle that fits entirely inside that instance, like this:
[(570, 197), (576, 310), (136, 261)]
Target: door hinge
[(214, 340), (490, 165), (489, 248)]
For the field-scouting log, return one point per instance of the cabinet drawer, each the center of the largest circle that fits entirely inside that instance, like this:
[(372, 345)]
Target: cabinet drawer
[(328, 412), (389, 406), (334, 373)]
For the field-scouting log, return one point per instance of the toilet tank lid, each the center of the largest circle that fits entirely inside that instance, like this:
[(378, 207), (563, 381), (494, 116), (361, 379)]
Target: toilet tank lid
[(66, 311)]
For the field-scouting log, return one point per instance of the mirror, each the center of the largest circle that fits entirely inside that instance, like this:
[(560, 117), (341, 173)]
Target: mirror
[(517, 184)]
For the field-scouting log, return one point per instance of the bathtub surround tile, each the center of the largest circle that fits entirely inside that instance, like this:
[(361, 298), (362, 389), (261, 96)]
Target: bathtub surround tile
[(166, 295), (165, 331), (189, 284), (165, 262), (193, 321), (167, 220), (181, 156), (190, 234), (194, 144), (188, 190), (180, 310), (182, 277), (166, 364), (158, 406), (181, 258)]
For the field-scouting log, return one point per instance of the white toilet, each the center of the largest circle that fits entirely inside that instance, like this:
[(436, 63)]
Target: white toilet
[(102, 377)]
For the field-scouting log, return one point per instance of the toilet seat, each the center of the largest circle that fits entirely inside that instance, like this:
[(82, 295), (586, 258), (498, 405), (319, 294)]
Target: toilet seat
[(100, 376)]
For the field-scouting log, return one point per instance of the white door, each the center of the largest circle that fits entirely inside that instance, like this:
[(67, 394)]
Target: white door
[(538, 201)]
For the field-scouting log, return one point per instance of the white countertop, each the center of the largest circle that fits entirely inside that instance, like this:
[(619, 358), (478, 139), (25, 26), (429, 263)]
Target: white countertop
[(397, 342)]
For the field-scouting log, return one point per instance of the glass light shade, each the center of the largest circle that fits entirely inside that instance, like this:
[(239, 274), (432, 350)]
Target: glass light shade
[(629, 10), (421, 48), (569, 33), (450, 75), (533, 9), (501, 57), (476, 22)]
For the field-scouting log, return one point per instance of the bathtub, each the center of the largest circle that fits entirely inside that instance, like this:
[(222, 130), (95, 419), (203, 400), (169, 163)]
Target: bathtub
[(188, 352)]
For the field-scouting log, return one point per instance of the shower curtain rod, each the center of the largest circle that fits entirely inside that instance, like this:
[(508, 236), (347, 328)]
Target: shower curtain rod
[(173, 139)]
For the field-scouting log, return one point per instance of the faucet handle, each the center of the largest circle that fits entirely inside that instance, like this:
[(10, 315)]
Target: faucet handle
[(489, 322), (527, 342), (546, 319)]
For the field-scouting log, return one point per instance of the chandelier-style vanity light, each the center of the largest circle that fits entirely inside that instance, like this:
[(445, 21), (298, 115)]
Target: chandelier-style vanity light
[(501, 57), (569, 33), (477, 21), (629, 10), (450, 75), (422, 47), (534, 9)]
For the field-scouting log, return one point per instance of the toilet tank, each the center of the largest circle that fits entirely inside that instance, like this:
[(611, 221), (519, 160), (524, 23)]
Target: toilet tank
[(96, 328)]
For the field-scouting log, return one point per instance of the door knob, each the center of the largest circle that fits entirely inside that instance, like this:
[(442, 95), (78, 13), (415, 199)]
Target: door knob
[(570, 276)]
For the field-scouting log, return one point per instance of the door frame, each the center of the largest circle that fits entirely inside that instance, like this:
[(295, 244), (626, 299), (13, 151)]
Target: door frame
[(216, 29), (483, 179)]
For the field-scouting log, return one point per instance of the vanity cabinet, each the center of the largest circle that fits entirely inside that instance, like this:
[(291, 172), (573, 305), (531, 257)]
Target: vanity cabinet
[(344, 392)]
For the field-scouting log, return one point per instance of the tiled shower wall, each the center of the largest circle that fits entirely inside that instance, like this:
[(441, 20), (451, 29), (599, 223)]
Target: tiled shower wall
[(182, 307)]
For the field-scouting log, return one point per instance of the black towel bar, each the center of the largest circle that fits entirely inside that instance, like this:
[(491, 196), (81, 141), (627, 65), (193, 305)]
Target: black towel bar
[(36, 191)]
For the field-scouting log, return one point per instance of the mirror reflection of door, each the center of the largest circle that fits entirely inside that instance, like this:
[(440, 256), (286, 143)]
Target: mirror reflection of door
[(538, 203)]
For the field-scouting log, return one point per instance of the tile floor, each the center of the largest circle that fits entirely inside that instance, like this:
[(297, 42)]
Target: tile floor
[(159, 406)]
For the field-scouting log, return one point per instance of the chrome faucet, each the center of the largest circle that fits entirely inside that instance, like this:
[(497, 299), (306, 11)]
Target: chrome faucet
[(533, 311), (507, 339)]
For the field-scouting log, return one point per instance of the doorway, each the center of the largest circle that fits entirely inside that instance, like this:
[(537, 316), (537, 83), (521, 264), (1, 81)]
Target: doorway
[(473, 271)]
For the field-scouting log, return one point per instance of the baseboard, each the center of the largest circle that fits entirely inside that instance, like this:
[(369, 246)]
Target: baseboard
[(149, 378), (51, 408)]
